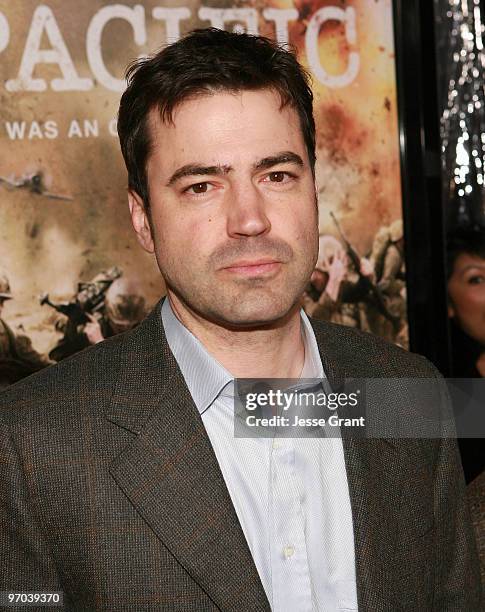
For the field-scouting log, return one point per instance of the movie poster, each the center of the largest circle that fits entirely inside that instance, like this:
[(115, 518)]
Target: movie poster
[(71, 271)]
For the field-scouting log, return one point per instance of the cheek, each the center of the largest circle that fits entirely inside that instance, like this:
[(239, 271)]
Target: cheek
[(475, 296), (297, 221), (182, 239), (469, 301), (480, 295)]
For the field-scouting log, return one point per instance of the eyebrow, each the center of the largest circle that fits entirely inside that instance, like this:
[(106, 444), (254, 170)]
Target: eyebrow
[(285, 157), (197, 170), (477, 266)]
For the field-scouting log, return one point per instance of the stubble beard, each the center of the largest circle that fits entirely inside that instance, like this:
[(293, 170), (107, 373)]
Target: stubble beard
[(242, 303)]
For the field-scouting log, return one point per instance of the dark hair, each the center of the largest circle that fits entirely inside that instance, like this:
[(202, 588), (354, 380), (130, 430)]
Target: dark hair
[(470, 241), (206, 60)]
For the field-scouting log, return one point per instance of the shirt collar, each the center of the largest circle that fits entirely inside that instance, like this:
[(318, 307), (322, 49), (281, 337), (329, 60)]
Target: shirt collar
[(205, 377)]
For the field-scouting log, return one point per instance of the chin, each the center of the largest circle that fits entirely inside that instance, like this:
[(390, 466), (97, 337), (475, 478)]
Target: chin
[(256, 314)]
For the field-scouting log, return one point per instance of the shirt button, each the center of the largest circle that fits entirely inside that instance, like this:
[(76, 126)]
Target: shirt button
[(276, 444), (288, 551)]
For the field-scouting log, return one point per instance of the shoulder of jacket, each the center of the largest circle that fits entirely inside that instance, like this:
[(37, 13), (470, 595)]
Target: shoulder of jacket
[(371, 348), (92, 368)]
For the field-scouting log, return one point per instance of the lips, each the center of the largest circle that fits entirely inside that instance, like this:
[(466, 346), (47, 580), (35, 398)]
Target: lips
[(245, 263), (256, 267)]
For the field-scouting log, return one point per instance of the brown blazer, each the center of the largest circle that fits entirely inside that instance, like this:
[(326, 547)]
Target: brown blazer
[(476, 499), (110, 490)]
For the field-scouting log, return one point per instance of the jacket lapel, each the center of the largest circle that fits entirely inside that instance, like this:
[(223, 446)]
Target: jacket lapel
[(373, 476), (170, 473)]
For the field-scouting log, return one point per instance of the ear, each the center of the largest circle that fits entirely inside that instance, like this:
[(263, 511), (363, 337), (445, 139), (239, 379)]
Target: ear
[(451, 310), (140, 221)]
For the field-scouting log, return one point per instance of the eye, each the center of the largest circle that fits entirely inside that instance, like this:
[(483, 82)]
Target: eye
[(279, 176), (476, 279), (198, 188)]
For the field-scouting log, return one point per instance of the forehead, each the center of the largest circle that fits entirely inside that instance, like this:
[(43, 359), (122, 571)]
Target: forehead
[(225, 127), (468, 260), (465, 261)]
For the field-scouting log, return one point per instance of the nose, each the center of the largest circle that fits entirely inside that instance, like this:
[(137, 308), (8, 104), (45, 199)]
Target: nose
[(246, 211)]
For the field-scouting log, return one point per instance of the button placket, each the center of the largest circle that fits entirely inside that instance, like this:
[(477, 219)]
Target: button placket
[(290, 577)]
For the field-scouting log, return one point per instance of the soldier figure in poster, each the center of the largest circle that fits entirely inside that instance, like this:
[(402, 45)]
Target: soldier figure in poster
[(88, 305), (18, 358)]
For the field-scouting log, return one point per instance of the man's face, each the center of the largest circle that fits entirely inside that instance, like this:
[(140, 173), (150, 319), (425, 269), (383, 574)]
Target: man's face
[(466, 289), (233, 207)]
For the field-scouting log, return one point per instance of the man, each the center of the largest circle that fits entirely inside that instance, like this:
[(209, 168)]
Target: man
[(84, 317), (387, 259), (122, 482), (124, 311), (329, 293), (17, 356), (476, 499)]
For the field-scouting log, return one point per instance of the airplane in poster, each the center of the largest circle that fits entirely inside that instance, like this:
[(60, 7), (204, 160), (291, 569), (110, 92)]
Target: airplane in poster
[(33, 182)]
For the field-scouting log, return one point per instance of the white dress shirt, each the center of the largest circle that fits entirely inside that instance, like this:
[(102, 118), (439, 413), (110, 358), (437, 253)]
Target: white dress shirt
[(290, 494)]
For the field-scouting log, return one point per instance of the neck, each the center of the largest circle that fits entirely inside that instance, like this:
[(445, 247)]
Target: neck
[(275, 350)]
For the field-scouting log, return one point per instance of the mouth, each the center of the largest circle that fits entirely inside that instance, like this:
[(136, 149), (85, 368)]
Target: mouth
[(259, 267)]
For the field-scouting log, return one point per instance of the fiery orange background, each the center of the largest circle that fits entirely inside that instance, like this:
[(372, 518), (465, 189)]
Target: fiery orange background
[(48, 245)]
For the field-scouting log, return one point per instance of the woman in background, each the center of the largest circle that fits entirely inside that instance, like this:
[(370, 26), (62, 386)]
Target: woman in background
[(466, 291), (466, 309)]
